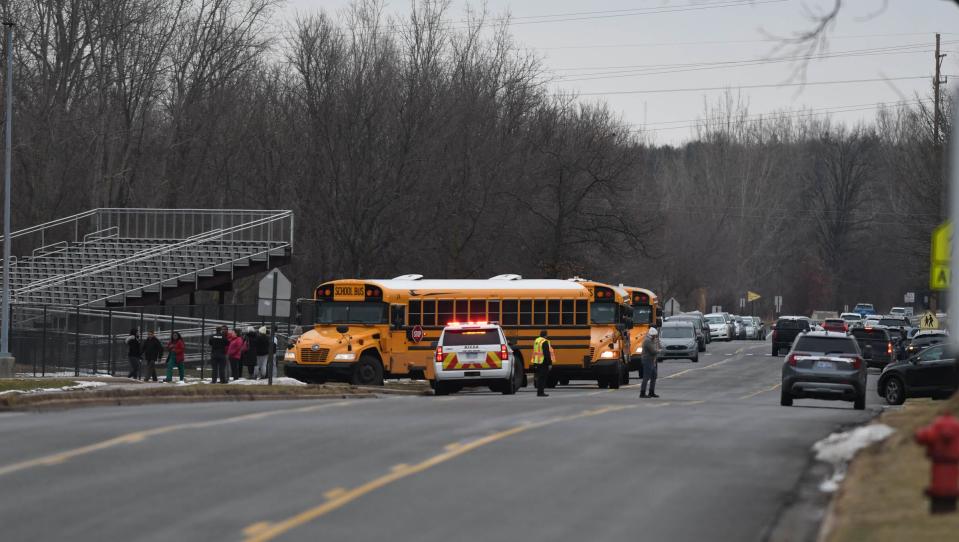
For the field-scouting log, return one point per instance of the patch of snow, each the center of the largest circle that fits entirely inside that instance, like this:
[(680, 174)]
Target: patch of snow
[(282, 380), (838, 449), (77, 386)]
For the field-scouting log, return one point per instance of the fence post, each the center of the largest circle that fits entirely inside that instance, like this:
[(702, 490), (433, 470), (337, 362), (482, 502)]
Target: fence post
[(172, 329), (43, 348), (76, 345), (110, 363), (202, 342)]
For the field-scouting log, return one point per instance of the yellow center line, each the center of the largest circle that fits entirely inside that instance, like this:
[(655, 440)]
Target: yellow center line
[(140, 436), (764, 390), (398, 472)]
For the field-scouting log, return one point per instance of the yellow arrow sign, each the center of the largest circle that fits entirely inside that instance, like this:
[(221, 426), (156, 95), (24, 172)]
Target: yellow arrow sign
[(940, 257), (752, 296)]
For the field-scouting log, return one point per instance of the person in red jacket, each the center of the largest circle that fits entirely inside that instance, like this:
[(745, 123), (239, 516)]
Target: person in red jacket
[(234, 352), (177, 353)]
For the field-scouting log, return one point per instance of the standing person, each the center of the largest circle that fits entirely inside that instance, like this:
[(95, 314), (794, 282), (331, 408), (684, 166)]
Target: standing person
[(249, 351), (152, 350), (176, 356), (234, 351), (262, 352), (218, 343), (542, 361), (134, 353), (651, 350)]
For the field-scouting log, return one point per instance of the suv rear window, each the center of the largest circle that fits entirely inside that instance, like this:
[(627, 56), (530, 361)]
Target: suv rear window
[(463, 337), (893, 322), (837, 345), (871, 334), (791, 324)]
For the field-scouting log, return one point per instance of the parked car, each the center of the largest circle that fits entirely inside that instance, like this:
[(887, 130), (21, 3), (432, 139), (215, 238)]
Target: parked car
[(720, 327), (824, 365), (837, 325), (933, 372), (785, 331), (864, 309), (678, 340), (698, 322), (876, 345)]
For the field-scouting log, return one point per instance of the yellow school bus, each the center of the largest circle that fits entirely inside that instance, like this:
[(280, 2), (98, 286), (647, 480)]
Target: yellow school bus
[(368, 330), (645, 307)]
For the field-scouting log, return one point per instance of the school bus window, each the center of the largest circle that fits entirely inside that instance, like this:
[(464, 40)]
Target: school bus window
[(582, 314), (510, 312), (462, 310), (642, 314), (525, 312), (444, 312), (415, 312), (493, 309), (539, 312), (603, 313), (568, 316), (359, 312), (477, 310), (429, 313), (552, 312)]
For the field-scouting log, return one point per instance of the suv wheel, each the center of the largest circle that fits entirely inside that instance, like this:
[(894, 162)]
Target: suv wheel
[(785, 398), (894, 393)]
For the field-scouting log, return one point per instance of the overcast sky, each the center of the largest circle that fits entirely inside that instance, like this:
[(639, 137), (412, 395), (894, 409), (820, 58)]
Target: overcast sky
[(606, 49)]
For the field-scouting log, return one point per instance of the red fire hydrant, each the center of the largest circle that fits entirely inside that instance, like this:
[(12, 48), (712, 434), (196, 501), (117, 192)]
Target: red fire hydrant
[(941, 440)]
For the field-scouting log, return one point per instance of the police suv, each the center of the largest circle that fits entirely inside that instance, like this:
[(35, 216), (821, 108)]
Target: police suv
[(476, 354)]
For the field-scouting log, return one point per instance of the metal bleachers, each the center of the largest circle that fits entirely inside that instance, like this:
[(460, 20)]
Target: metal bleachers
[(118, 257)]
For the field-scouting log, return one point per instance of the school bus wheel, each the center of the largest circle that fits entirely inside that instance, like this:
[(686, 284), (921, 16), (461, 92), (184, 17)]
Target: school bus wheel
[(367, 372)]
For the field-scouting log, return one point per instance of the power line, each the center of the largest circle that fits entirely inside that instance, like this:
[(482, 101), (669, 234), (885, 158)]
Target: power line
[(741, 87), (729, 42)]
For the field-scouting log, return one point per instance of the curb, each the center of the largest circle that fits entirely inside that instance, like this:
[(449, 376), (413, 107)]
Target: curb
[(64, 404)]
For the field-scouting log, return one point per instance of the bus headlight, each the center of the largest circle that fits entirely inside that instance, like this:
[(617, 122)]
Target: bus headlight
[(639, 349), (345, 356), (289, 356), (609, 354)]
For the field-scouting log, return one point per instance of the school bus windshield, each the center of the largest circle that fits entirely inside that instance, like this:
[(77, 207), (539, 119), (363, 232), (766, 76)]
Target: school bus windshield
[(603, 313), (350, 312), (642, 314)]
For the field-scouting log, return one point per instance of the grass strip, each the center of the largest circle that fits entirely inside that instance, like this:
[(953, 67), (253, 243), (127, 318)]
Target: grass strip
[(882, 498), (28, 384)]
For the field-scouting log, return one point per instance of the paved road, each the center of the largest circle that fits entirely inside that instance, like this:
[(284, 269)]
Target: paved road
[(714, 459)]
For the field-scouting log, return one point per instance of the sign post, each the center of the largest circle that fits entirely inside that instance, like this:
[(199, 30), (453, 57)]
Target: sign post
[(778, 303), (275, 289)]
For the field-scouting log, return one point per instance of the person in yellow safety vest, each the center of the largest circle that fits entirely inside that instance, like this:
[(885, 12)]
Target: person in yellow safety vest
[(543, 356)]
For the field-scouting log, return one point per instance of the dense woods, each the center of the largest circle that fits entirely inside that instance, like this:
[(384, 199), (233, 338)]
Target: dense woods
[(419, 146)]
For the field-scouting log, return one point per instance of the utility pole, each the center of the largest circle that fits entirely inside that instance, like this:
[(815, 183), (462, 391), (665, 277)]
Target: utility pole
[(6, 358), (936, 82)]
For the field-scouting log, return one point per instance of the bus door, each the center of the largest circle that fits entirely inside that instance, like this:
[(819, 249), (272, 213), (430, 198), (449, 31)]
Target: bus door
[(410, 341)]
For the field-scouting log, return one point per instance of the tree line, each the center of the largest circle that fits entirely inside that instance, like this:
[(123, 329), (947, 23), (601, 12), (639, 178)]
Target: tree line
[(420, 146)]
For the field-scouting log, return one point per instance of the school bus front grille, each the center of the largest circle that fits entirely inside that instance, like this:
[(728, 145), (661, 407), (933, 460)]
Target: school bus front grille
[(308, 355)]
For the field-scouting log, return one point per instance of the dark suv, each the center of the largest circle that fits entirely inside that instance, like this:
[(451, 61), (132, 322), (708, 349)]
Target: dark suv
[(824, 365), (933, 372), (876, 345), (785, 331)]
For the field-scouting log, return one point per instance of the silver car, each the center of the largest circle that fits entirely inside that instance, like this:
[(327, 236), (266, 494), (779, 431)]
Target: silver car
[(824, 365), (720, 328), (678, 340)]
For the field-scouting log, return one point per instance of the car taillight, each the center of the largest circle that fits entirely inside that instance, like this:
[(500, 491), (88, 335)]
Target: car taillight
[(439, 354), (857, 362), (791, 360), (503, 352), (889, 348)]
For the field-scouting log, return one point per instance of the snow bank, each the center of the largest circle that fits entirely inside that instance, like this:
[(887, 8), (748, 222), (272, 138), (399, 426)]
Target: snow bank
[(77, 386), (282, 380), (838, 449)]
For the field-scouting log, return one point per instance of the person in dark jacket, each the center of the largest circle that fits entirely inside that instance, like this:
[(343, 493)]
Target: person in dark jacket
[(248, 359), (152, 350), (263, 342), (134, 353), (218, 345), (651, 349)]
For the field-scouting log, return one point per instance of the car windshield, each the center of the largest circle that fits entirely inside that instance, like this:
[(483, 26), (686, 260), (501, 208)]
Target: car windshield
[(602, 313), (642, 314), (826, 345), (469, 337), (851, 317), (715, 320), (864, 306), (790, 324), (350, 312), (676, 332)]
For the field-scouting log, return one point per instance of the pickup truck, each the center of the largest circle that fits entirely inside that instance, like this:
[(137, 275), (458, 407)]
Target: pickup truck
[(864, 309), (785, 331)]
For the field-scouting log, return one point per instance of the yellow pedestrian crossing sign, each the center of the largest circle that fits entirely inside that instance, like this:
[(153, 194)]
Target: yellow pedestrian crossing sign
[(928, 321), (940, 257), (752, 296)]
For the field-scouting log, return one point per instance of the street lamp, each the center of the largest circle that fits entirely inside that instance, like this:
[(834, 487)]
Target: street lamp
[(6, 358)]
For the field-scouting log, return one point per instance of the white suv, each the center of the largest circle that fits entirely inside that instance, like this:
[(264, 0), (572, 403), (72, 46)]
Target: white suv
[(475, 354)]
